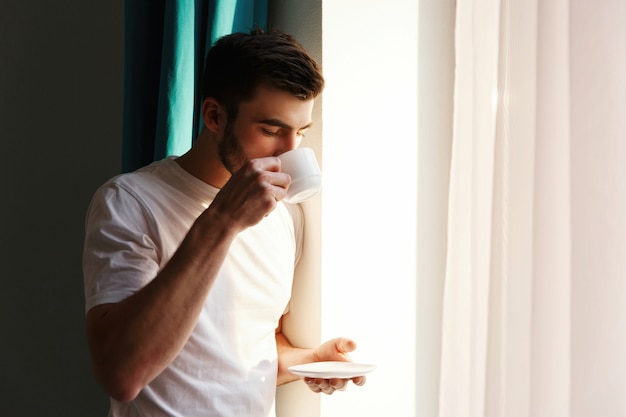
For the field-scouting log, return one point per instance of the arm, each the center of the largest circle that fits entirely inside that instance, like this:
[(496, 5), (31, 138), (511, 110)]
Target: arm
[(333, 350), (289, 355), (133, 341)]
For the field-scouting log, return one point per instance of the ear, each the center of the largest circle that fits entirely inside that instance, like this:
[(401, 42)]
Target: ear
[(213, 115)]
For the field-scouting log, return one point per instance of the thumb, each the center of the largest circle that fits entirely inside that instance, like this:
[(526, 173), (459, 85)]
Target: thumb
[(335, 350), (343, 346)]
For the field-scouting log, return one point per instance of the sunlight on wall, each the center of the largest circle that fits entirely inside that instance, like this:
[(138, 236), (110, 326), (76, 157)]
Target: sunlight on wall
[(369, 200)]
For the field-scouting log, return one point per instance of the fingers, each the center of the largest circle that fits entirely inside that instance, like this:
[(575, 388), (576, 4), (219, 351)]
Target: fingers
[(251, 193), (274, 183), (265, 172), (359, 380), (338, 384), (326, 386), (333, 350)]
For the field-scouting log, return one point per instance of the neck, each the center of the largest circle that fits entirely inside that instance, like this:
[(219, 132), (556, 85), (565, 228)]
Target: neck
[(203, 162)]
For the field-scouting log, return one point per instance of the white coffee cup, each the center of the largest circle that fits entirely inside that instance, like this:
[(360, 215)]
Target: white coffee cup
[(306, 178)]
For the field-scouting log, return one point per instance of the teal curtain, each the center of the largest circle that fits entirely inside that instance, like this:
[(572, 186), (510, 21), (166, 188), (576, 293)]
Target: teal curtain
[(165, 45)]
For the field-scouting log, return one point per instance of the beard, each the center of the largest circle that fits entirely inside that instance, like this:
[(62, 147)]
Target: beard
[(230, 152)]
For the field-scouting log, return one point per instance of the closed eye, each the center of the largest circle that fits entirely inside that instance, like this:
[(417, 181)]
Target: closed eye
[(273, 127), (268, 132)]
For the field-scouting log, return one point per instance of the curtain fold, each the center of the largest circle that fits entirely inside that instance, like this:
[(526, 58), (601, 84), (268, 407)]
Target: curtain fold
[(165, 45), (552, 271), (535, 297)]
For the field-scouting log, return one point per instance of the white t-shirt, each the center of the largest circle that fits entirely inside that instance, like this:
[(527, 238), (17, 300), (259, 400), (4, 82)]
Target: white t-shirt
[(228, 367)]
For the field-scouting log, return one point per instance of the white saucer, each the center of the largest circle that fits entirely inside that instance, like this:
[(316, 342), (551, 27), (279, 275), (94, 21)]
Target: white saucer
[(331, 369)]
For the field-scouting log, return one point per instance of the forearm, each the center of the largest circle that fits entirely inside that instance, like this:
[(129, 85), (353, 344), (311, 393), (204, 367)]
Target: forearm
[(289, 355), (132, 341)]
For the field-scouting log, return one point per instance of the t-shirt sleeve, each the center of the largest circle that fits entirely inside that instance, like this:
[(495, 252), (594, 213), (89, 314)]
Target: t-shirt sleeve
[(295, 210), (297, 215), (119, 254)]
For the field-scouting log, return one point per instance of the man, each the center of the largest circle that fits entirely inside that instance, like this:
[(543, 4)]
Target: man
[(189, 261)]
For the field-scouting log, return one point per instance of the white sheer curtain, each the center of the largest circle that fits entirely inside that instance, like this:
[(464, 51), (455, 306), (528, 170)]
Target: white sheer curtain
[(534, 301)]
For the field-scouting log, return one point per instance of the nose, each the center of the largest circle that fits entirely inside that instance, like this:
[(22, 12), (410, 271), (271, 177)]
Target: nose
[(289, 142)]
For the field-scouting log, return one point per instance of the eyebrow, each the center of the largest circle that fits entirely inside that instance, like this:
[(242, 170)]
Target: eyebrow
[(280, 123)]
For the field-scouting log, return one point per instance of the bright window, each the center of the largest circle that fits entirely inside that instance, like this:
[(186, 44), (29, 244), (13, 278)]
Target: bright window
[(369, 201)]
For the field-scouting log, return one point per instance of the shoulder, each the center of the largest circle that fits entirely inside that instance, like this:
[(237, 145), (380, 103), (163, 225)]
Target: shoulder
[(131, 186), (123, 197)]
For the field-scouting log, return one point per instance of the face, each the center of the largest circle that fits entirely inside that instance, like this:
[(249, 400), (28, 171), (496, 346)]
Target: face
[(271, 123)]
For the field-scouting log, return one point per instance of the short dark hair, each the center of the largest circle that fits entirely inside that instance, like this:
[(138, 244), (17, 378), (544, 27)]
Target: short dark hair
[(240, 62)]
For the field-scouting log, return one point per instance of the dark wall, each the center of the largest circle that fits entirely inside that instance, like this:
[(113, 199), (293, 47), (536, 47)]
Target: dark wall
[(61, 85)]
